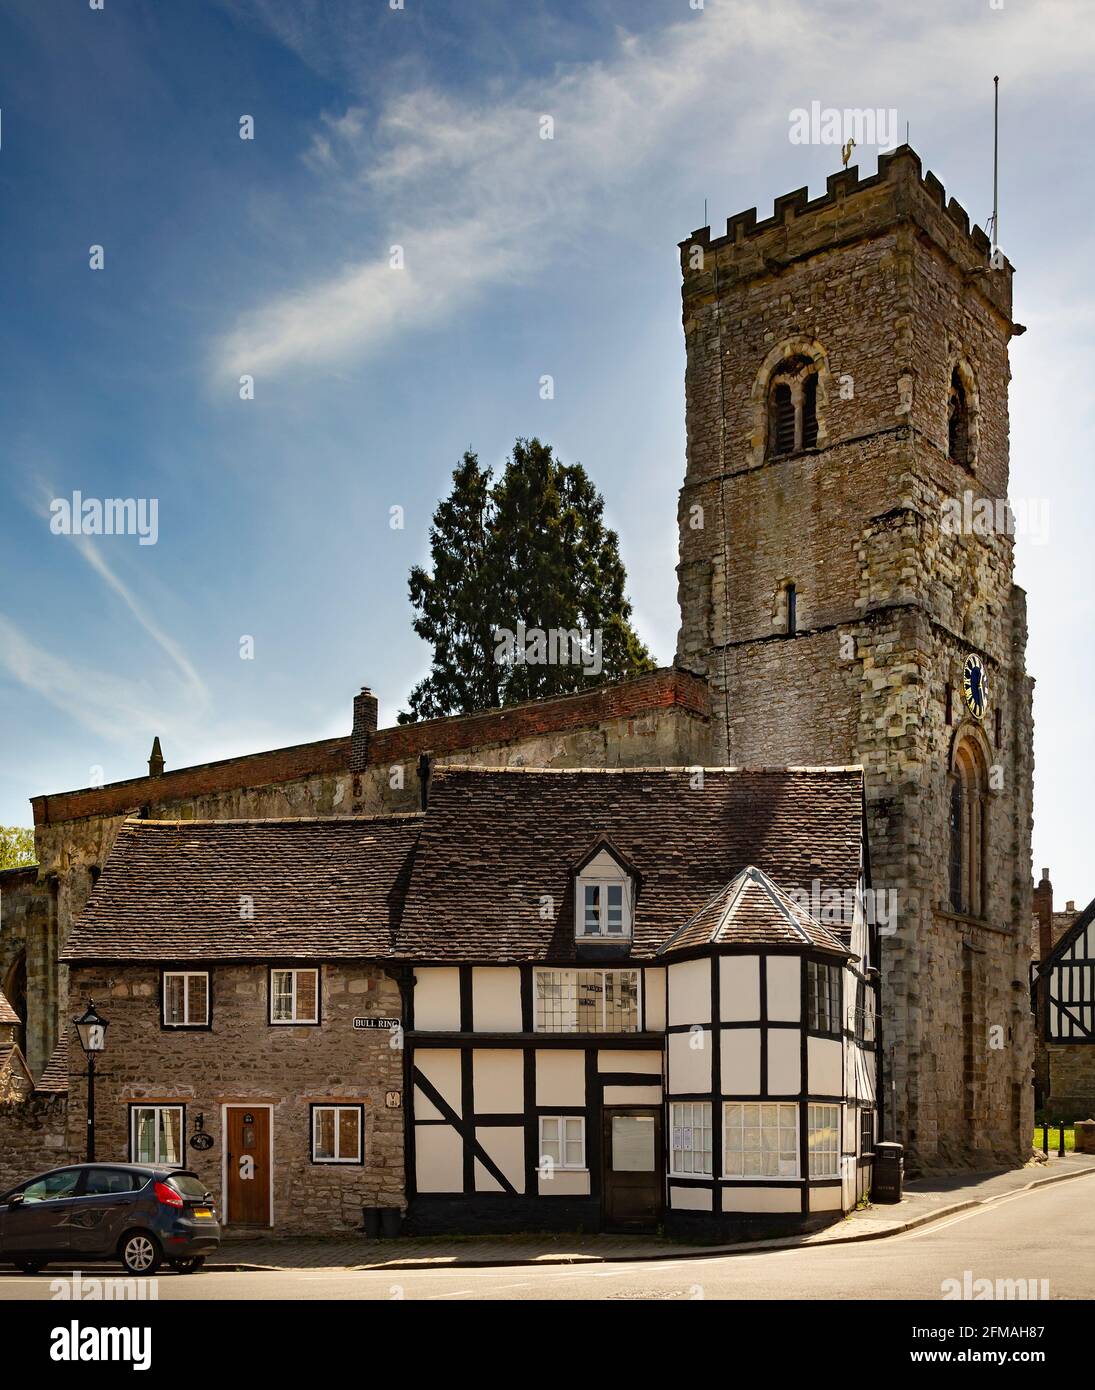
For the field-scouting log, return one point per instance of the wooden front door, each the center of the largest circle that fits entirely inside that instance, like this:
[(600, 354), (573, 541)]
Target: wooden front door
[(247, 1159), (633, 1180)]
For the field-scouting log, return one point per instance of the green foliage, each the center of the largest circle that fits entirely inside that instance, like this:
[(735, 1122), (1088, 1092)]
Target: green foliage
[(16, 847), (531, 548)]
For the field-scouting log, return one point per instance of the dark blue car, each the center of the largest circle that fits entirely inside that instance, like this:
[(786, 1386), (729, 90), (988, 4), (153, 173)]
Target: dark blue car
[(141, 1214)]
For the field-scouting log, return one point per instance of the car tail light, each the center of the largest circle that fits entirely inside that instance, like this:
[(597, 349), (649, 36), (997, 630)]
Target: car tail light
[(167, 1195)]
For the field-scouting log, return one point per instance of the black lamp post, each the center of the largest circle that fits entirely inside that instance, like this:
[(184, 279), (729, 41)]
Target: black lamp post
[(91, 1028)]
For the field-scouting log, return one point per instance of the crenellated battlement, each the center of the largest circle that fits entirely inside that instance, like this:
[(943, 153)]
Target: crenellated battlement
[(899, 174)]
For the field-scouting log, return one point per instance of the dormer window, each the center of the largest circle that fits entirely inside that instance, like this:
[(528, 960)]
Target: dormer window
[(603, 898), (604, 908)]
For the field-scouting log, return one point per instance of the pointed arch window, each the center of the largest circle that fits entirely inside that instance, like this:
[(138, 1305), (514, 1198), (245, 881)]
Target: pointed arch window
[(792, 407), (968, 831)]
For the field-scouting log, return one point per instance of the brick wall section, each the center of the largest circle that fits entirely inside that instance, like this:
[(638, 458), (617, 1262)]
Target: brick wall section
[(255, 770), (243, 1058), (643, 695)]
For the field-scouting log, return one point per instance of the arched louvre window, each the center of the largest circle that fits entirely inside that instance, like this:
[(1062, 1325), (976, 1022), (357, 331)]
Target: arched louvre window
[(792, 407), (783, 420), (968, 832), (958, 422)]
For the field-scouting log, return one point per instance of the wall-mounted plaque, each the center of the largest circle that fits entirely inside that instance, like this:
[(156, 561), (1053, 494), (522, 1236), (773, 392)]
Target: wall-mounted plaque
[(376, 1022)]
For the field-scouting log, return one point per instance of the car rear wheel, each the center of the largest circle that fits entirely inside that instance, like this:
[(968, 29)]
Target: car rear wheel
[(30, 1266), (140, 1253), (190, 1266)]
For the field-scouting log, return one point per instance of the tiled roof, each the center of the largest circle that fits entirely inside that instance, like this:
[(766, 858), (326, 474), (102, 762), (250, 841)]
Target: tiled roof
[(182, 890), (55, 1077), (492, 874), (752, 910), (7, 1013)]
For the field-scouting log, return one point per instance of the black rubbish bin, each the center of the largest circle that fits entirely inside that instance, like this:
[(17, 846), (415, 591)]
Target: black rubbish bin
[(889, 1172), (370, 1222), (391, 1218)]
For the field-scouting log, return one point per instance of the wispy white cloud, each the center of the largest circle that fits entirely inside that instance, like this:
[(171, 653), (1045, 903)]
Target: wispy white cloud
[(477, 198), (111, 704)]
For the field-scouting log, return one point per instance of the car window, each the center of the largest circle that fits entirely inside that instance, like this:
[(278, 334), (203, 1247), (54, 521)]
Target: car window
[(52, 1186), (188, 1185), (102, 1181)]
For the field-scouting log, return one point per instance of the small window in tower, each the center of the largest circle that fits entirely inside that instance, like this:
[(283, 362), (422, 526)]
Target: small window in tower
[(809, 411), (958, 422), (783, 420), (792, 610), (792, 407), (948, 703)]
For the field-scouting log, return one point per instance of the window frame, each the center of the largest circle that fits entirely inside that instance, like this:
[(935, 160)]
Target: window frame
[(293, 970), (832, 1002), (171, 971), (157, 1105), (811, 1129), (702, 1173), (866, 1125), (338, 1106), (603, 882), (562, 1121), (793, 373), (743, 1176), (587, 970)]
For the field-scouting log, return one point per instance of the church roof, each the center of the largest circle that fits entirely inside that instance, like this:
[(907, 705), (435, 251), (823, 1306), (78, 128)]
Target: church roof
[(752, 910), (7, 1013), (494, 871), (318, 888)]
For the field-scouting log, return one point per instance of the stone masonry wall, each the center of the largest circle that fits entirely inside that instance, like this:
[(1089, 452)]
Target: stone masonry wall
[(33, 1137), (243, 1058), (881, 283)]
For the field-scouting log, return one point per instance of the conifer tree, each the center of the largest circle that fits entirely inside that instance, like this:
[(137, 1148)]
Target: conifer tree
[(528, 553)]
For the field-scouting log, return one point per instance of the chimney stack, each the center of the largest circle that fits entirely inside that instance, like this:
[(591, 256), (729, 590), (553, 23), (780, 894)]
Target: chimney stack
[(366, 710), (1043, 910), (155, 759)]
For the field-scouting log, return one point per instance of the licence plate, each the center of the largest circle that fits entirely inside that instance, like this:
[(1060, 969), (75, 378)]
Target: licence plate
[(204, 1211)]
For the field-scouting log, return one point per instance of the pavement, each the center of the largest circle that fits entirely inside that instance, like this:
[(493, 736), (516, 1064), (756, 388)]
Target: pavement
[(925, 1200)]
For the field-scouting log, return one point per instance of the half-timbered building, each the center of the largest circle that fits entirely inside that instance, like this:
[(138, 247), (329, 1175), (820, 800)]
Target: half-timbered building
[(623, 1013), (553, 999), (1065, 1005)]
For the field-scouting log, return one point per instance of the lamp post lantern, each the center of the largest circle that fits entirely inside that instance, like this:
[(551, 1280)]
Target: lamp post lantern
[(91, 1029)]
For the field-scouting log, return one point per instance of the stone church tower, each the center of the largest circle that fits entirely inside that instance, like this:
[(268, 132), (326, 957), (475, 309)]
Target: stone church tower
[(847, 379)]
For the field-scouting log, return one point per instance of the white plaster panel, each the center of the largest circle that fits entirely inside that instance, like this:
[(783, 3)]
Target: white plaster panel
[(784, 988), (741, 1061), (496, 999), (498, 1079), (689, 1067), (560, 1077), (690, 992), (438, 1159), (437, 999), (739, 988)]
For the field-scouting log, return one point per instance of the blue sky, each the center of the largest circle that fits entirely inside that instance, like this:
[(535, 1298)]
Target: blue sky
[(419, 127)]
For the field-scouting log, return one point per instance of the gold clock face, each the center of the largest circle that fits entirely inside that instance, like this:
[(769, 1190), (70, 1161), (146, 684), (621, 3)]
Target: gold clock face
[(975, 687)]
